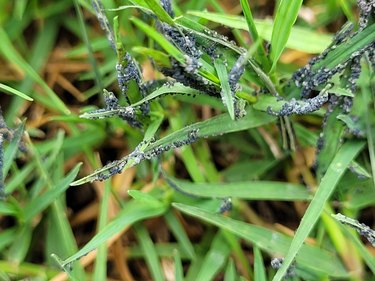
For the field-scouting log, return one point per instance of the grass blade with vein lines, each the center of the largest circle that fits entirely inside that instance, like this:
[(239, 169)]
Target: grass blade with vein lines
[(286, 15), (159, 11), (327, 185)]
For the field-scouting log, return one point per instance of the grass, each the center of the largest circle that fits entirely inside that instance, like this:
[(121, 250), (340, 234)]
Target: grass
[(140, 143)]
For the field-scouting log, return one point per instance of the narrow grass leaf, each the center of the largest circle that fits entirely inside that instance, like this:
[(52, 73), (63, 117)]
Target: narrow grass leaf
[(38, 204), (252, 190), (148, 248), (286, 15), (11, 151), (226, 93), (100, 266), (230, 271), (133, 211), (217, 125), (327, 185), (270, 241), (14, 92), (178, 270), (159, 11), (343, 52), (259, 270), (215, 259), (180, 234), (313, 42), (10, 53), (164, 43)]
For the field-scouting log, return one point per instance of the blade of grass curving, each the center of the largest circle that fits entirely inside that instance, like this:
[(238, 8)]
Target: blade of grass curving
[(286, 16), (327, 185), (14, 92), (177, 88), (270, 241), (134, 210), (252, 190), (226, 93), (10, 53), (38, 204), (313, 42), (148, 248), (160, 58), (215, 258), (7, 237), (259, 270)]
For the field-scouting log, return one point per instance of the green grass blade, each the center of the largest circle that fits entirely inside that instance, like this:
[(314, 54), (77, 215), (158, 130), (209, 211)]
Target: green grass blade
[(252, 190), (327, 185), (313, 42), (215, 259), (226, 93), (133, 211), (164, 43), (38, 204), (10, 152), (254, 33), (230, 271), (270, 241), (259, 270), (286, 15), (148, 248), (100, 266), (178, 270), (159, 11), (14, 92), (180, 234), (343, 52), (10, 53), (217, 125)]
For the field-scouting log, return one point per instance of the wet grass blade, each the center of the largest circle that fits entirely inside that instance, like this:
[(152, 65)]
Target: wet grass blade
[(327, 185), (286, 15)]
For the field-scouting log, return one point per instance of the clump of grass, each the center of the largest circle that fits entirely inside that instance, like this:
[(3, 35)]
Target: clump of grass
[(250, 93)]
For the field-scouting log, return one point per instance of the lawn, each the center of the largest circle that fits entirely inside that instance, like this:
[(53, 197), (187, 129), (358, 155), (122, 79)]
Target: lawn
[(187, 140)]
